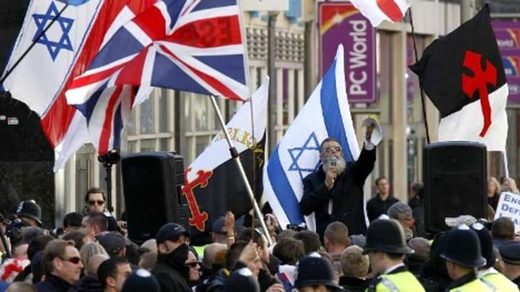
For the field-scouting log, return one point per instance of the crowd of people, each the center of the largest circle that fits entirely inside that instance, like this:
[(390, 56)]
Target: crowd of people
[(92, 252)]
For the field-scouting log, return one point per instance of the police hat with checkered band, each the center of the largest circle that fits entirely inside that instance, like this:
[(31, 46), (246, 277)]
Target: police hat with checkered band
[(30, 209)]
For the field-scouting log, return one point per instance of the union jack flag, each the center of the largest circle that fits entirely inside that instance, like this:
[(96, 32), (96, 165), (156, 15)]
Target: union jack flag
[(191, 45)]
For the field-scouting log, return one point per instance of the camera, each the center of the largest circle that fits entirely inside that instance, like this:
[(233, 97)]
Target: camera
[(297, 227), (57, 232), (13, 230)]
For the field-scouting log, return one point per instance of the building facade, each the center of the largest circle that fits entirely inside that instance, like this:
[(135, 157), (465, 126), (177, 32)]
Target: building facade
[(185, 122)]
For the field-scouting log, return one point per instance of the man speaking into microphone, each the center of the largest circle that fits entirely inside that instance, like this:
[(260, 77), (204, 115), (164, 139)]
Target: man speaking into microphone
[(334, 192)]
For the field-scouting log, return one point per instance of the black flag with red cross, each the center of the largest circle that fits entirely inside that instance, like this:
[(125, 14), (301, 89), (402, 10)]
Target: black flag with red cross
[(463, 75)]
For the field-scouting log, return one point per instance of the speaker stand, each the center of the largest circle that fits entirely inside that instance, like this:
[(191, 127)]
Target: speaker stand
[(110, 158)]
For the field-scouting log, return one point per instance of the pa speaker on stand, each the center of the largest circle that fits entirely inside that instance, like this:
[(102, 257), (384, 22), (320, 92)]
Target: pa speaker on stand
[(152, 184), (455, 182)]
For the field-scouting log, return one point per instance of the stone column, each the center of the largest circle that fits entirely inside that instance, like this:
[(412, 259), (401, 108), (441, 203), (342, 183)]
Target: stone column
[(399, 122)]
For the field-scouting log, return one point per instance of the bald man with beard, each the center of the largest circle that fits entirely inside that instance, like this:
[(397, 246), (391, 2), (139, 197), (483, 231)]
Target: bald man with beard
[(334, 192)]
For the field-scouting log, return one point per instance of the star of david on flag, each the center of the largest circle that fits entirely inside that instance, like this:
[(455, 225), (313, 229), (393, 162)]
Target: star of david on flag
[(326, 114), (304, 158), (42, 21), (62, 53)]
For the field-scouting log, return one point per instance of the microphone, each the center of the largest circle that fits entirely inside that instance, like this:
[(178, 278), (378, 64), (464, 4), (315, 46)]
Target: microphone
[(332, 161)]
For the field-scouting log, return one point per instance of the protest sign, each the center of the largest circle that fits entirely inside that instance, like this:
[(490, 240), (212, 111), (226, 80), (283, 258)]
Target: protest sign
[(509, 206)]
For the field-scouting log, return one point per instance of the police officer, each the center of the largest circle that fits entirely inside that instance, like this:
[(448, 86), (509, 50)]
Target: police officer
[(510, 254), (314, 274), (488, 274), (30, 213), (386, 248), (462, 255)]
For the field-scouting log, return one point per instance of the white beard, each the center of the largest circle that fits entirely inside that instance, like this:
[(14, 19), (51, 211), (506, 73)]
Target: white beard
[(341, 164)]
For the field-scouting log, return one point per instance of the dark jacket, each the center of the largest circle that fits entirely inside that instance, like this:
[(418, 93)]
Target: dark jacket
[(53, 284), (170, 271), (346, 195), (493, 201), (265, 279), (351, 284), (87, 284), (434, 276), (417, 206), (377, 207), (215, 283)]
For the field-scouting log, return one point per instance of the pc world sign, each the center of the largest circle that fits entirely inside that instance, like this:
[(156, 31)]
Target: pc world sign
[(341, 23)]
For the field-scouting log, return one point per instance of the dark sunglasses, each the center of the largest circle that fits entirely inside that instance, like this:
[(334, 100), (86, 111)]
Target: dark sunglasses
[(74, 260), (94, 202), (193, 264)]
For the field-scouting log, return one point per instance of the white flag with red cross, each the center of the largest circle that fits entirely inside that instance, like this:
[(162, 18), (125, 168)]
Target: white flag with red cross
[(378, 10)]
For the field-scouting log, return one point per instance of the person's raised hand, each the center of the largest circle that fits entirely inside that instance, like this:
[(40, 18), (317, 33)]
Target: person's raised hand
[(275, 288), (271, 222), (369, 130), (229, 221), (249, 253), (330, 176)]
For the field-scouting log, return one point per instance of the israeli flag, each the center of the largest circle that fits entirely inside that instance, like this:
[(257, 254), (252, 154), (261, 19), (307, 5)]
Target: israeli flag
[(326, 114)]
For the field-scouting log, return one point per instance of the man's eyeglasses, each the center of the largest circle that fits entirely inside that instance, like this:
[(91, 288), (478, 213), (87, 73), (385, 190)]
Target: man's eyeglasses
[(330, 148), (74, 260), (193, 264), (98, 202)]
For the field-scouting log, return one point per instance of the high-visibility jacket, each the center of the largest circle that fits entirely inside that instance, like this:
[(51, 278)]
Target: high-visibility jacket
[(398, 280), (200, 250), (496, 281), (475, 285)]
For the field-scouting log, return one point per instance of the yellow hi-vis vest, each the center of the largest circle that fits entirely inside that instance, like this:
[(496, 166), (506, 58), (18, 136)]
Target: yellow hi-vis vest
[(200, 250), (473, 286), (496, 281), (400, 280)]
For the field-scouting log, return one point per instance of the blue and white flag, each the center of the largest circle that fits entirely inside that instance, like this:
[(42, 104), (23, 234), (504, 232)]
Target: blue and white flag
[(326, 114), (56, 43)]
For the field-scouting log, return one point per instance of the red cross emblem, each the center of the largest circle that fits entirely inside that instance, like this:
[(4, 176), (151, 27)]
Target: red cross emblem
[(478, 82), (198, 218)]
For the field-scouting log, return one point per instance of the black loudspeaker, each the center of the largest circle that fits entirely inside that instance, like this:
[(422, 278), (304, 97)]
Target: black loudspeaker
[(151, 185), (454, 182)]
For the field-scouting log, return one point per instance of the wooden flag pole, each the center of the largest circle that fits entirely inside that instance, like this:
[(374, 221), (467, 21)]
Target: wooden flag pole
[(236, 158)]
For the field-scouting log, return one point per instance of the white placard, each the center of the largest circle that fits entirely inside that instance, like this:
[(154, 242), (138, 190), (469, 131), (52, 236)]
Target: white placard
[(509, 206), (264, 5), (377, 133)]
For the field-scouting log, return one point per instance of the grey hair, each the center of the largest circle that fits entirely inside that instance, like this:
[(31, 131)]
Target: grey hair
[(400, 211)]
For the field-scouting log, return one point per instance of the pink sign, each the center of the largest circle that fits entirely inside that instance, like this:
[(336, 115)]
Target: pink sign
[(341, 23)]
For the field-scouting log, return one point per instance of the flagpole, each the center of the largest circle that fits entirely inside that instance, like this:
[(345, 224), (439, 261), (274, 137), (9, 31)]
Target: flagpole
[(423, 103), (251, 111), (35, 40), (506, 165), (235, 156)]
